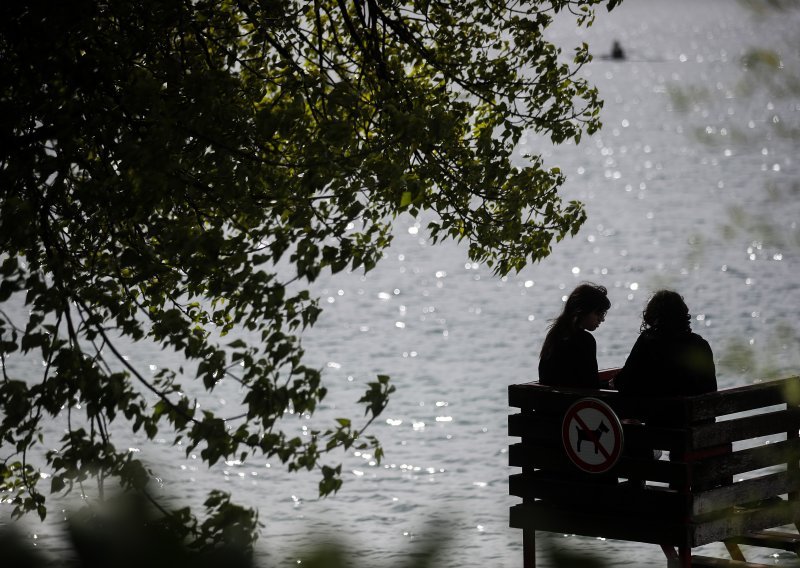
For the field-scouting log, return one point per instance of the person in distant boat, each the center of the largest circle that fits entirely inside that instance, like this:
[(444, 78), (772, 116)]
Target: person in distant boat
[(668, 359), (569, 352), (616, 51)]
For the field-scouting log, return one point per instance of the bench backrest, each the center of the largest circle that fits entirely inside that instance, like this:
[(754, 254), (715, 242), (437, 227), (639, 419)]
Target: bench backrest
[(732, 451)]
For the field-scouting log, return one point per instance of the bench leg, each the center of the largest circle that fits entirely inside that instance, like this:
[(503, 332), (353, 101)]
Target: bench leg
[(671, 554), (529, 548), (681, 558), (685, 553), (734, 551)]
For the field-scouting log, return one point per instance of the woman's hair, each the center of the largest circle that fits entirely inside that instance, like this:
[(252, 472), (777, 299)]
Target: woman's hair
[(666, 312), (583, 300)]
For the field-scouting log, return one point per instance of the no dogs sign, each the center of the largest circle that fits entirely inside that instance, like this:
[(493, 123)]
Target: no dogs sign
[(592, 435)]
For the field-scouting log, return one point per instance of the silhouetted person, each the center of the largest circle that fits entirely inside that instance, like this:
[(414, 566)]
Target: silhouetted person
[(616, 51), (569, 353), (667, 358)]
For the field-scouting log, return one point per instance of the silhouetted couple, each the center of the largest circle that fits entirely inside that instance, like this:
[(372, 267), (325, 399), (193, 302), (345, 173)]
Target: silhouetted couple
[(668, 359)]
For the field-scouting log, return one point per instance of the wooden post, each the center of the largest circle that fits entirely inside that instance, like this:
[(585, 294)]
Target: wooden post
[(734, 551), (682, 558), (685, 550), (529, 548), (685, 553), (672, 556), (792, 465)]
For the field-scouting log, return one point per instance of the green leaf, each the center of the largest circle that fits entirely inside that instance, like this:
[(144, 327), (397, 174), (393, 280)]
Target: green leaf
[(57, 484)]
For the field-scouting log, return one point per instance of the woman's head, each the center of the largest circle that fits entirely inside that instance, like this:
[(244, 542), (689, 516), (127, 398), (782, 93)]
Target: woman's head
[(586, 306), (666, 312)]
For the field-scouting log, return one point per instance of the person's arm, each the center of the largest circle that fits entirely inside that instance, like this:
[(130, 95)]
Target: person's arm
[(586, 361), (545, 374), (631, 371), (706, 370)]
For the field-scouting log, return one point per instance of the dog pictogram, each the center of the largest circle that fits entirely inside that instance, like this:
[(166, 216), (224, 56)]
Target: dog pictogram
[(591, 435)]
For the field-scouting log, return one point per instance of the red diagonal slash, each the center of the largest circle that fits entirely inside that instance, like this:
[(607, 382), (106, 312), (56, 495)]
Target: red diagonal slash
[(595, 439)]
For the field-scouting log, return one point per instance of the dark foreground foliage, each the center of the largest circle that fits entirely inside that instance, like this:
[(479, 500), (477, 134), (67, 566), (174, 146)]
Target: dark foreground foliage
[(179, 173), (128, 532)]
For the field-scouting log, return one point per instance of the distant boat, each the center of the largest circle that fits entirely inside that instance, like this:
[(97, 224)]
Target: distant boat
[(616, 51)]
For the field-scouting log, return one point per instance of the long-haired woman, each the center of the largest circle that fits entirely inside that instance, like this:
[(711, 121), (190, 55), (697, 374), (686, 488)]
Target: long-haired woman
[(569, 353)]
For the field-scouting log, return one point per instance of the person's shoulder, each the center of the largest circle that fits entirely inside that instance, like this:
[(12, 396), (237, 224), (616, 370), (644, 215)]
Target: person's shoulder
[(698, 339), (585, 337), (649, 336)]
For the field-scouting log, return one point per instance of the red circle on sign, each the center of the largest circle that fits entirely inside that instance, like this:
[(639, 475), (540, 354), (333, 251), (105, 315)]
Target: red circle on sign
[(592, 435)]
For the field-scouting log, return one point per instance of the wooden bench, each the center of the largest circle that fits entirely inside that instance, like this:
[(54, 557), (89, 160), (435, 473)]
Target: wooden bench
[(734, 469)]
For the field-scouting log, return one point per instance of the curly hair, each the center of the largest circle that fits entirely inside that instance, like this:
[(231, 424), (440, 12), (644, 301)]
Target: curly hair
[(666, 312)]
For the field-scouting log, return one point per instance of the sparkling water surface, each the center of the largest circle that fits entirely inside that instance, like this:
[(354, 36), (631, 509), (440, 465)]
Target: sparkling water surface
[(694, 193)]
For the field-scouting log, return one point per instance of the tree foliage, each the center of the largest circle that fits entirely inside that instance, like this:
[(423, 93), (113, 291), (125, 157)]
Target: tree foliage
[(179, 172)]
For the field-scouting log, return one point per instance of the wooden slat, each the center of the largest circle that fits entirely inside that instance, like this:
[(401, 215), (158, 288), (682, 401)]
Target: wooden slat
[(718, 467), (623, 498), (608, 374), (539, 457), (537, 426), (745, 428), (554, 459), (771, 539), (709, 562), (660, 438), (652, 529), (629, 499), (770, 485), (744, 398), (689, 409), (744, 521), (556, 400)]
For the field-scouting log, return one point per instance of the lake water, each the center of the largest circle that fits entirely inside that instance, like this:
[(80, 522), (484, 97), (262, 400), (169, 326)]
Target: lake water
[(714, 217)]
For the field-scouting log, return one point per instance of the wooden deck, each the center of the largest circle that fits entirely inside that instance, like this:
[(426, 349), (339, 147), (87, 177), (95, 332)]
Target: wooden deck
[(738, 474)]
